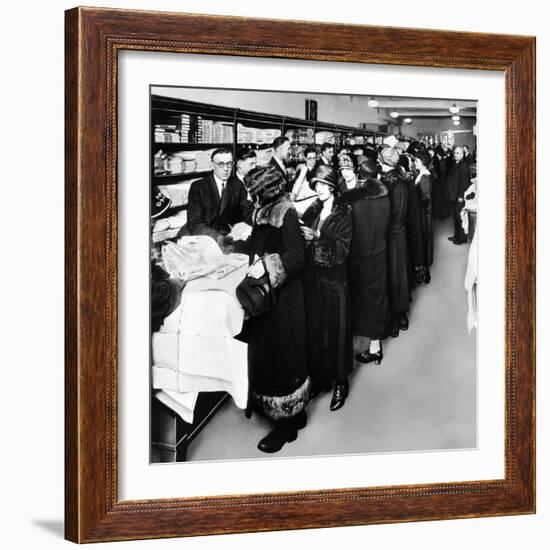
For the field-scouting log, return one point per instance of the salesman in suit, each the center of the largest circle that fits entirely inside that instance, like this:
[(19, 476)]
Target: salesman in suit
[(281, 152), (458, 180), (327, 155), (217, 202)]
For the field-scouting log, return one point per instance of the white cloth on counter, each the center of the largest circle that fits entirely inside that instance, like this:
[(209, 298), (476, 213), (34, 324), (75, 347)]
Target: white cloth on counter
[(183, 404), (195, 349)]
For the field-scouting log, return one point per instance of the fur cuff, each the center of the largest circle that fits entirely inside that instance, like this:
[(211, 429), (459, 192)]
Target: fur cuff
[(275, 270), (284, 406)]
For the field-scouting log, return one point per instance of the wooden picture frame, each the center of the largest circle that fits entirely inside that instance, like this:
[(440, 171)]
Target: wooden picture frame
[(94, 37)]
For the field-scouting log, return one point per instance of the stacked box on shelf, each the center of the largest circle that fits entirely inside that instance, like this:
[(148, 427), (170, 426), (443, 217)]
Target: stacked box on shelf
[(185, 127)]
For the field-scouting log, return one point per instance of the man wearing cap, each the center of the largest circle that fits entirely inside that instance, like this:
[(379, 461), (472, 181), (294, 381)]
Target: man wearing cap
[(216, 203)]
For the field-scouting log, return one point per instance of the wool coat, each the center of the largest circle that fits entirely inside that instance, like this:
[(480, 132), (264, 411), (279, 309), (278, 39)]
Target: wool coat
[(440, 200), (397, 254), (415, 238), (277, 339), (424, 189), (329, 340), (458, 180), (367, 263)]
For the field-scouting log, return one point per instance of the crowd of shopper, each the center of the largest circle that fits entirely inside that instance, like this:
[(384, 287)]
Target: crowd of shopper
[(344, 266)]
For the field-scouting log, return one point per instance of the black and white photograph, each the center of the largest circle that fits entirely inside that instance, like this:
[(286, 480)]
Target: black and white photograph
[(313, 274)]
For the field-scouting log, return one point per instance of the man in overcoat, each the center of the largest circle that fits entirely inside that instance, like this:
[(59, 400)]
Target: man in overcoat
[(458, 180)]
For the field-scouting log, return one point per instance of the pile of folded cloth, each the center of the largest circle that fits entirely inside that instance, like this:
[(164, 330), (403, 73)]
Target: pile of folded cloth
[(195, 349)]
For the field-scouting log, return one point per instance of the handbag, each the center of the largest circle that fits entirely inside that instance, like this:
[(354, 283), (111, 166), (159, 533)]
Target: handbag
[(256, 296)]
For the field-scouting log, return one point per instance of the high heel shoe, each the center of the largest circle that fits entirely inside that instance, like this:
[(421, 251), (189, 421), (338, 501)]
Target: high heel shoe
[(368, 357)]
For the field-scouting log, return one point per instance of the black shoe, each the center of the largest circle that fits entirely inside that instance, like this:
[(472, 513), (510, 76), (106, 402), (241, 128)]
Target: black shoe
[(460, 241), (428, 277), (452, 239), (300, 420), (283, 432), (339, 396), (368, 357), (403, 321)]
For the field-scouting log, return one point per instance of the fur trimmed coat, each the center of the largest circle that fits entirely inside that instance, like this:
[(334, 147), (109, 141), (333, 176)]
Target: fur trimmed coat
[(329, 341), (276, 339), (367, 264)]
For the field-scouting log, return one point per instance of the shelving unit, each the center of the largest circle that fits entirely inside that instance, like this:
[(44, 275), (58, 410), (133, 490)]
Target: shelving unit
[(183, 136), (194, 125)]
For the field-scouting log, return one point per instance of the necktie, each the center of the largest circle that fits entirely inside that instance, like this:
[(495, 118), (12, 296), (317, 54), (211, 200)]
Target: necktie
[(222, 189)]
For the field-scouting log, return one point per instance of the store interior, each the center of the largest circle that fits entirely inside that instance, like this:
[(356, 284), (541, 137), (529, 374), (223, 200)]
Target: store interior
[(381, 414)]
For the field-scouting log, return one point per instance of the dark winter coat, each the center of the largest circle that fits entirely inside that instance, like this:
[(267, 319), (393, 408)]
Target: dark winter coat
[(276, 339), (329, 341), (440, 200), (398, 281), (458, 180), (424, 189), (415, 238), (367, 264)]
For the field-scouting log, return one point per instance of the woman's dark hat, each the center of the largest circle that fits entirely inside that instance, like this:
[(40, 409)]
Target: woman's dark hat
[(325, 174), (367, 169), (345, 162)]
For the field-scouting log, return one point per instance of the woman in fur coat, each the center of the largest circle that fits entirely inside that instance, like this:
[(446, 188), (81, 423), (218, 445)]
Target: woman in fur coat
[(276, 339), (327, 229)]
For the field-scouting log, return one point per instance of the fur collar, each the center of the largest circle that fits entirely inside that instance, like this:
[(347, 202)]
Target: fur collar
[(273, 213), (371, 189), (339, 208)]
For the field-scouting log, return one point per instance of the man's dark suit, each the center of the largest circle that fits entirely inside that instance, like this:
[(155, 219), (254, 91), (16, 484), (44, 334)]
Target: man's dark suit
[(323, 162), (208, 215), (283, 173), (458, 180)]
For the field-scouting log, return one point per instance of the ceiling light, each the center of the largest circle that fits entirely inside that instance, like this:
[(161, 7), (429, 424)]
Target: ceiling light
[(408, 120), (394, 114), (372, 102), (456, 122), (455, 117), (454, 109)]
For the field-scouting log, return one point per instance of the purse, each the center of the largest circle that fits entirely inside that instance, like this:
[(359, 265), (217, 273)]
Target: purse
[(256, 296)]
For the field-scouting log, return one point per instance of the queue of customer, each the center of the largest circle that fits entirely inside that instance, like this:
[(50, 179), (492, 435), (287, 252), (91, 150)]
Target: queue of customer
[(345, 266)]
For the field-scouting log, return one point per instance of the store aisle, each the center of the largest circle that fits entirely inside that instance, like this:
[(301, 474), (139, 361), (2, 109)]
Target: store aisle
[(422, 396)]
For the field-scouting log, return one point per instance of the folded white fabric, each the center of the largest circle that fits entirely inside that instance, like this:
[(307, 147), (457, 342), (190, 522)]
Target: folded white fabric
[(195, 349), (183, 404)]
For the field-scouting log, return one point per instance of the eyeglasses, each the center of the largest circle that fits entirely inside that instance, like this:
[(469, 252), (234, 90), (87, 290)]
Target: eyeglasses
[(223, 165), (311, 158)]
